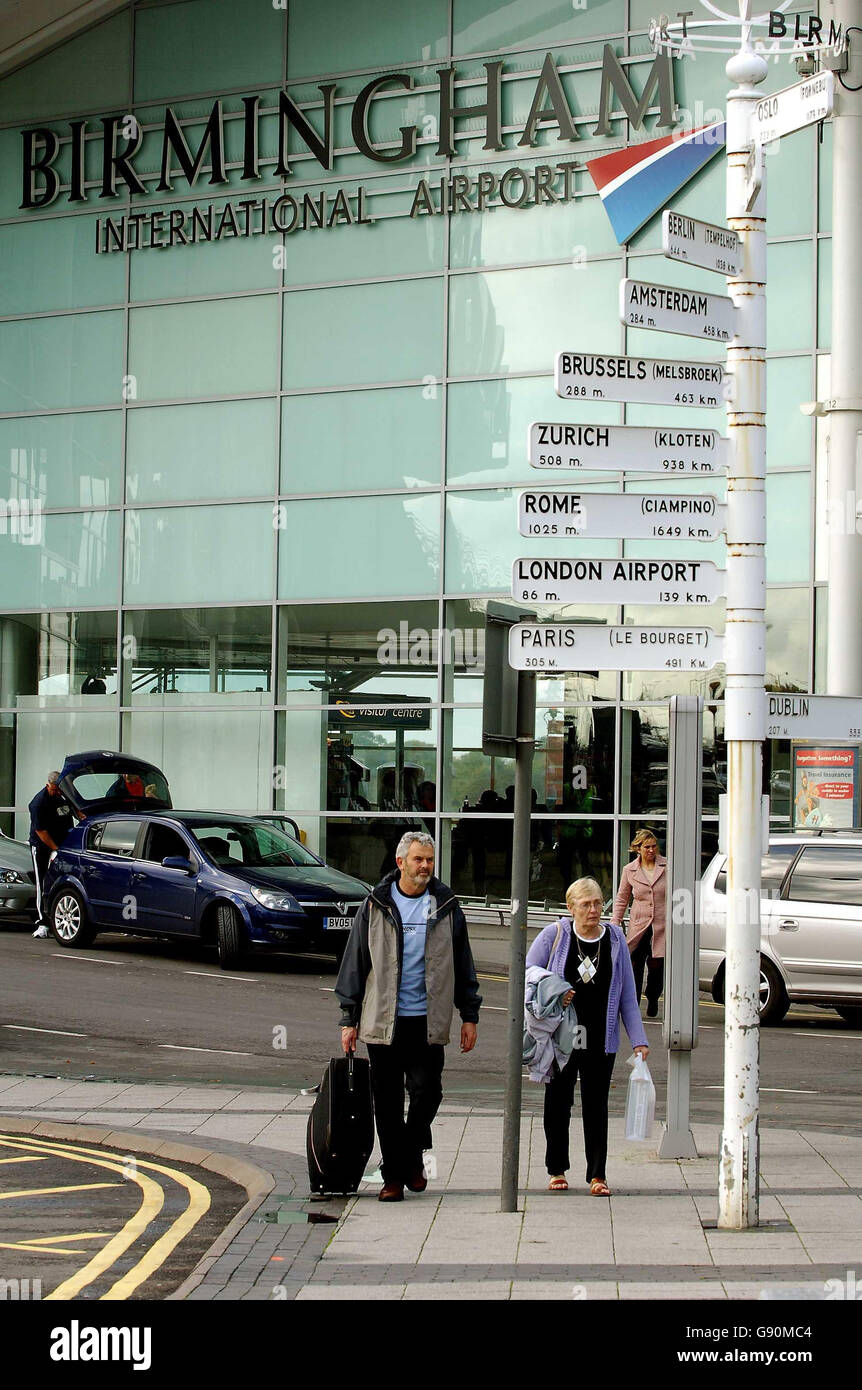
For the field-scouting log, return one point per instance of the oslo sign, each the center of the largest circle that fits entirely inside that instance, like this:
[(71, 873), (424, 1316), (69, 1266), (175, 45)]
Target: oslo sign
[(794, 107), (633, 448), (700, 243), (568, 647), (682, 516), (640, 380), (668, 309), (821, 717), (617, 581)]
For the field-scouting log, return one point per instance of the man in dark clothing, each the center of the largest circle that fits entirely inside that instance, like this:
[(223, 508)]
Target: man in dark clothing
[(51, 819), (406, 966)]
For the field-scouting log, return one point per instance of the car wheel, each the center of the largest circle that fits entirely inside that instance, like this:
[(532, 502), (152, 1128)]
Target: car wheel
[(851, 1014), (69, 921), (773, 996), (228, 937)]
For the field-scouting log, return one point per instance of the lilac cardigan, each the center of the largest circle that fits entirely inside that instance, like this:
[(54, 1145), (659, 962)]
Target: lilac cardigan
[(622, 997)]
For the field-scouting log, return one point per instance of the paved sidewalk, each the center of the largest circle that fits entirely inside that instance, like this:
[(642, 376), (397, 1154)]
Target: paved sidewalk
[(655, 1238)]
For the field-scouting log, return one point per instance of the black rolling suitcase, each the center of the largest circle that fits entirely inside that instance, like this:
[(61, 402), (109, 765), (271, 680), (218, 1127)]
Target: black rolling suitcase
[(340, 1133)]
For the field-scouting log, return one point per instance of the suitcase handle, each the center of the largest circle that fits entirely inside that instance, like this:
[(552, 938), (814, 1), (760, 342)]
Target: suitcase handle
[(350, 1056)]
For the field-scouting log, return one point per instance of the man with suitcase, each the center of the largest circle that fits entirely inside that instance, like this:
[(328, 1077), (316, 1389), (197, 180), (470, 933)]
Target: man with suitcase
[(406, 967)]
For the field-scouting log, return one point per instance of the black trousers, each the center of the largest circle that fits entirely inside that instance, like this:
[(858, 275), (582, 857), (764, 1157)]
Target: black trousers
[(594, 1069), (655, 969), (409, 1059)]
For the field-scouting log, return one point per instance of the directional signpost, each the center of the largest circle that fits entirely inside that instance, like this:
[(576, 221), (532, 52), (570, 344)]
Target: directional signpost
[(669, 309), (824, 718), (683, 516), (585, 376), (805, 103), (700, 243), (684, 582), (634, 448), (566, 647)]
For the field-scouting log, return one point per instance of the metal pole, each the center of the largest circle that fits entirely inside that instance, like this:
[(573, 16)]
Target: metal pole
[(844, 448), (744, 657), (518, 940)]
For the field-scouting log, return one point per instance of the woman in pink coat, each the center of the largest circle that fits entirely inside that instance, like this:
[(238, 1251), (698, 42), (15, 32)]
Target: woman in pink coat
[(644, 881)]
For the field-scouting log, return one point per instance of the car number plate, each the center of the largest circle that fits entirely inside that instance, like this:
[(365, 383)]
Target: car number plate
[(337, 923)]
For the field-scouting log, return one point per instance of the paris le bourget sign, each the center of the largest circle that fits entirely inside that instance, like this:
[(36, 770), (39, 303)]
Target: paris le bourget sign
[(122, 136)]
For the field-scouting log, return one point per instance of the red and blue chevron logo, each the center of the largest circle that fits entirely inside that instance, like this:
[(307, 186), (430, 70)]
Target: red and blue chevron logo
[(635, 183)]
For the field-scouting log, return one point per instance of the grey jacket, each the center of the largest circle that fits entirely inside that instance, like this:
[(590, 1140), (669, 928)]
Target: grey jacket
[(550, 1031), (370, 974)]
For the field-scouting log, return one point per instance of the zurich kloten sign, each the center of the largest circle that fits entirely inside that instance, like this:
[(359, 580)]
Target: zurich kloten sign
[(121, 138)]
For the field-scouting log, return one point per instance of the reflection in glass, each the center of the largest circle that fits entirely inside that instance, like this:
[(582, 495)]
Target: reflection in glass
[(560, 851), (209, 652), (360, 755), (375, 648)]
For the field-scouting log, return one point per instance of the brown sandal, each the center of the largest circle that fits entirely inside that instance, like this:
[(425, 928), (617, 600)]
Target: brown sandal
[(558, 1185), (599, 1188)]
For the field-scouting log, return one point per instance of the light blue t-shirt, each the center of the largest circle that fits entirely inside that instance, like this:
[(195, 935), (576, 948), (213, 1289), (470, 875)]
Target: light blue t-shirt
[(414, 919)]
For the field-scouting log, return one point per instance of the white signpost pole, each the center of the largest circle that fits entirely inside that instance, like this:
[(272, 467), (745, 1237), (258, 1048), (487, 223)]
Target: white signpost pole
[(744, 644)]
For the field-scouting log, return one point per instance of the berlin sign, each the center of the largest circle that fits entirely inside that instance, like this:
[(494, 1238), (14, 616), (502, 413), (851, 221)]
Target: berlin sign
[(669, 309), (700, 243), (617, 581), (659, 516), (568, 647), (632, 448), (647, 380)]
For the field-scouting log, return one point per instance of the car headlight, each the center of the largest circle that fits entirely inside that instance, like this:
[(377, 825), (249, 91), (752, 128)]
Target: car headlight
[(275, 902), (11, 876)]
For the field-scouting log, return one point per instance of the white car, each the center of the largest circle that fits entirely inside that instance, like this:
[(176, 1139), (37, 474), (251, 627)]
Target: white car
[(811, 924)]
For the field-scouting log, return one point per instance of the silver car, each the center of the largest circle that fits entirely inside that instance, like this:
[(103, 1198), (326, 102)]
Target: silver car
[(811, 924), (17, 879)]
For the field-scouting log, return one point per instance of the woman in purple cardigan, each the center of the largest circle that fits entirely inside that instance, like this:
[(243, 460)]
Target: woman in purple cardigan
[(592, 956), (644, 881)]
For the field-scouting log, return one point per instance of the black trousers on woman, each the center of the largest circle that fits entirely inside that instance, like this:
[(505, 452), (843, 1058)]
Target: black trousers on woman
[(655, 969), (594, 1069)]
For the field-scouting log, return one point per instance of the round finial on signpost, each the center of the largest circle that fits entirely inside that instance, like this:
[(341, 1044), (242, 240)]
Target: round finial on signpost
[(746, 67)]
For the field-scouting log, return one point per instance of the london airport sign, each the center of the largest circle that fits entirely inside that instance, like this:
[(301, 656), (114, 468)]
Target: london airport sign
[(640, 380), (569, 647), (669, 309), (617, 581), (632, 448), (680, 516)]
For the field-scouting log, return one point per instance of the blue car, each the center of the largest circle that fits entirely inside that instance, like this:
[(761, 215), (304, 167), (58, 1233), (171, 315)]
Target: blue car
[(234, 881)]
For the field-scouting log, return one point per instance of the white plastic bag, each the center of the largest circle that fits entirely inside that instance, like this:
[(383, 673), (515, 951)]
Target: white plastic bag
[(640, 1100)]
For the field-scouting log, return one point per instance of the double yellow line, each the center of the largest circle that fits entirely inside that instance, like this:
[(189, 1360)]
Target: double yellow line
[(152, 1201)]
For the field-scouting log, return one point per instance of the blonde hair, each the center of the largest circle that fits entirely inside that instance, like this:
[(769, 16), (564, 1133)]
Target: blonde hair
[(640, 840), (583, 888)]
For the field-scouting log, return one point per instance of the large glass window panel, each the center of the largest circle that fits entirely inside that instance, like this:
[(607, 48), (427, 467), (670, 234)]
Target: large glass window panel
[(44, 737), (365, 333), (62, 460), (360, 757), (644, 760), (49, 264), (89, 73), (790, 316), (370, 648), (54, 363), (325, 36), (199, 554), (824, 293), (211, 348), (184, 452), (488, 422), (788, 628), (53, 659), (397, 244), (361, 547), (788, 431), (198, 653), (561, 851), (217, 759), (482, 541), (66, 560), (821, 639), (788, 528), (824, 172), (483, 26), (790, 185), (361, 845), (535, 232), (206, 267), (354, 440), (515, 320), (207, 45), (658, 685)]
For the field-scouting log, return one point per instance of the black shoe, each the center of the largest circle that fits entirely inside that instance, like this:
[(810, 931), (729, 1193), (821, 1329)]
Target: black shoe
[(652, 1008), (391, 1192), (417, 1182)]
